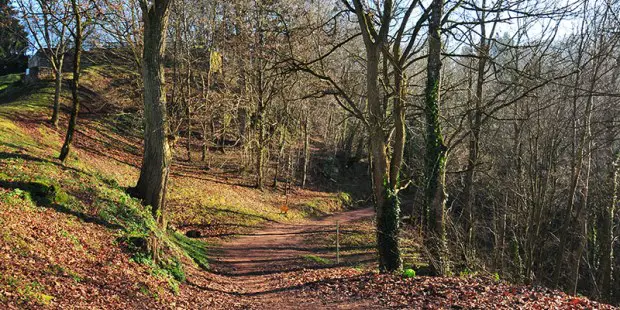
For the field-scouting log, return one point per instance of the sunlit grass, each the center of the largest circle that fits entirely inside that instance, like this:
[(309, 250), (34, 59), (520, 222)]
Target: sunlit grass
[(7, 80)]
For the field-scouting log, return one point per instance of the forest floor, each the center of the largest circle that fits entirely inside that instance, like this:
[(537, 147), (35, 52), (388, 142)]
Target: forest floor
[(72, 252), (293, 266), (274, 267)]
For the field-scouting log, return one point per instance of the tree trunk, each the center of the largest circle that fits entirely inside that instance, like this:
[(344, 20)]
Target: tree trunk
[(188, 112), (56, 59), (349, 139), (577, 162), (584, 149), (615, 295), (204, 141), (500, 244), (66, 147), (151, 187), (327, 128), (281, 143), (57, 90), (385, 195), (306, 151), (188, 146), (399, 127), (203, 122), (242, 119), (387, 204), (582, 215), (436, 151), (260, 144), (608, 210), (475, 120), (606, 233)]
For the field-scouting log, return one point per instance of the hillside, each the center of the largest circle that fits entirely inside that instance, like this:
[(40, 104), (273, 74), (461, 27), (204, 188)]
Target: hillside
[(70, 235)]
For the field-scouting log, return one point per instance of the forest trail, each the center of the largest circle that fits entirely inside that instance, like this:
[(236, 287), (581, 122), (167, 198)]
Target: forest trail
[(253, 266), (278, 247)]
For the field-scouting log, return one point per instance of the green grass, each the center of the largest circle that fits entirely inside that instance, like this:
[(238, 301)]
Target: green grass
[(31, 99), (195, 249), (27, 291), (7, 80), (59, 270), (200, 203), (47, 185), (318, 259), (319, 207), (34, 179), (90, 188)]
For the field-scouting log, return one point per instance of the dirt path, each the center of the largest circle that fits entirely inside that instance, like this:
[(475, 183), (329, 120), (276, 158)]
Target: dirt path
[(257, 267)]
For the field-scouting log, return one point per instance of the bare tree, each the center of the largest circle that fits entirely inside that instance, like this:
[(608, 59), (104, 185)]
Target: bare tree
[(47, 22), (151, 187), (436, 150), (78, 36)]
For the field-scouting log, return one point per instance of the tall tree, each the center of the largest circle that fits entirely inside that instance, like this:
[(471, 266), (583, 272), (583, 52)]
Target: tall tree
[(78, 36), (47, 22), (151, 187), (382, 52), (608, 208), (386, 199), (13, 40), (436, 150)]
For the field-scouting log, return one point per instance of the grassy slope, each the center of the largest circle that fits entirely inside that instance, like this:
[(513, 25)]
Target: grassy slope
[(357, 242), (8, 80), (64, 249)]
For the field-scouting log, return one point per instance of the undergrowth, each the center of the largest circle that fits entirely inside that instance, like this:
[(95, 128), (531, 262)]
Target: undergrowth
[(7, 81), (90, 186), (33, 178), (195, 249), (318, 259)]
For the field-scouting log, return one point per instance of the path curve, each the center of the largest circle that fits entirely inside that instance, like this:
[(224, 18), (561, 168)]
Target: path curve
[(273, 248), (256, 263)]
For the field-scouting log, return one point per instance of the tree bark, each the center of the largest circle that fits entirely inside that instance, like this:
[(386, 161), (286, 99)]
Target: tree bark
[(582, 211), (151, 186), (576, 168), (281, 144), (203, 157), (615, 295), (608, 209), (203, 122), (606, 232), (188, 111), (306, 150), (475, 120), (57, 90), (400, 89), (260, 144), (56, 56), (66, 147), (583, 152), (386, 200), (436, 151), (387, 204)]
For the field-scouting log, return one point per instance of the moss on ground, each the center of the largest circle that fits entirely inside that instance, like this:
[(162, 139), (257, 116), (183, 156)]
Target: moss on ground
[(7, 81), (318, 259), (90, 187), (196, 249)]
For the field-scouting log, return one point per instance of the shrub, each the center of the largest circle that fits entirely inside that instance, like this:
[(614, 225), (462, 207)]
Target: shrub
[(409, 273), (345, 199)]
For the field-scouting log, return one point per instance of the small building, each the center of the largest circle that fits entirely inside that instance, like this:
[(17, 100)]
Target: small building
[(40, 66)]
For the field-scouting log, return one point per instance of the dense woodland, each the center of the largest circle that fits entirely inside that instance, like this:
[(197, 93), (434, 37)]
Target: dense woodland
[(489, 127)]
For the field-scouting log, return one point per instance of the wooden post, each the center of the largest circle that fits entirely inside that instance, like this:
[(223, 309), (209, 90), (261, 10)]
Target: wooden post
[(337, 242)]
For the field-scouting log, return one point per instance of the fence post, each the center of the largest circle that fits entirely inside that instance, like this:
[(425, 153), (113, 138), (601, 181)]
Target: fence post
[(337, 242)]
